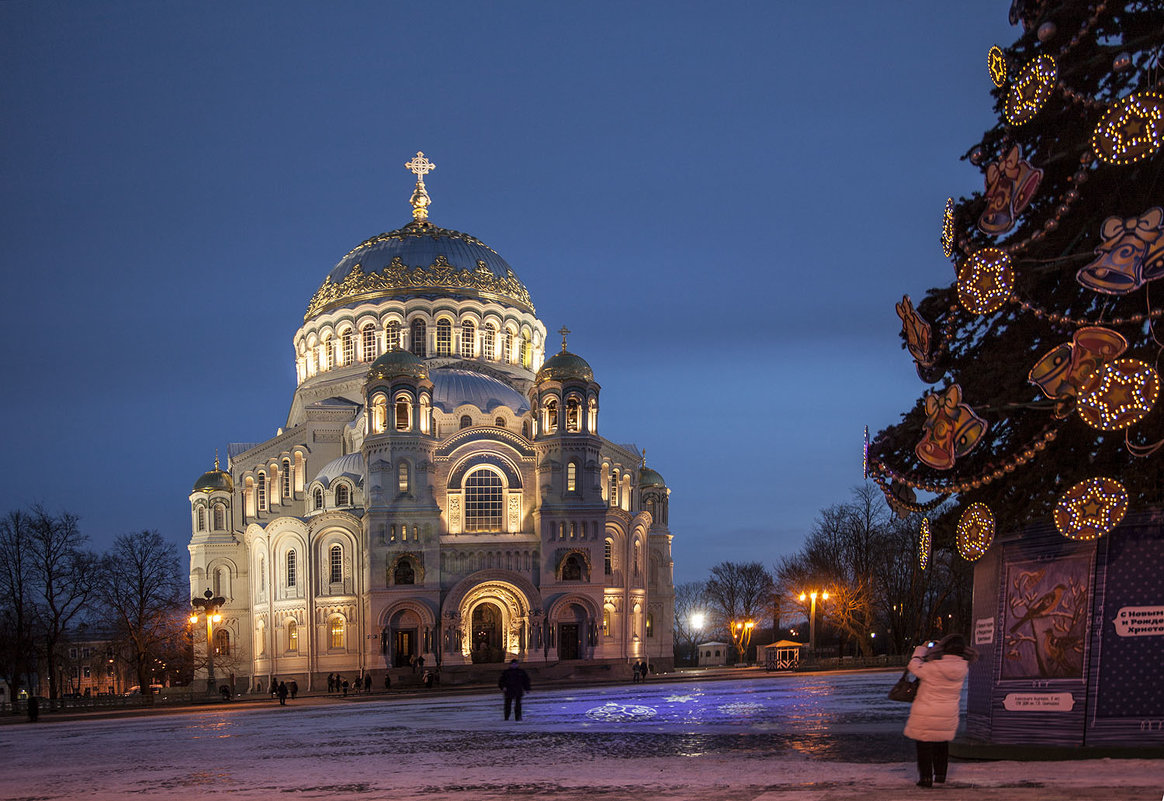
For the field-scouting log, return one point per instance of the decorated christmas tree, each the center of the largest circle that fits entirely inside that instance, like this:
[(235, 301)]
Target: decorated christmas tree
[(1043, 350)]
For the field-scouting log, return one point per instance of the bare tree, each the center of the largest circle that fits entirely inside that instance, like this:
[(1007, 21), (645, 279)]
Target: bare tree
[(63, 576), (739, 590), (143, 586), (17, 617), (689, 601)]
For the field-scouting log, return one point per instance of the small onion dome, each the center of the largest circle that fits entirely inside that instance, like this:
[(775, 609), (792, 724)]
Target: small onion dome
[(649, 478), (564, 366), (396, 363), (214, 481)]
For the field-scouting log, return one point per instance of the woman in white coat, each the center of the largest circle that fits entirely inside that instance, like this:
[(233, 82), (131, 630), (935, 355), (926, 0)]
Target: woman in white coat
[(933, 718)]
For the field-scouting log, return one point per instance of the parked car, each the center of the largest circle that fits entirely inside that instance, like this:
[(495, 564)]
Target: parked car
[(136, 689)]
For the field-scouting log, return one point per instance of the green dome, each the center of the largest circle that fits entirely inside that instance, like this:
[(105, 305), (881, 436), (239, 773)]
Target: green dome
[(214, 481), (397, 363), (564, 366), (649, 478)]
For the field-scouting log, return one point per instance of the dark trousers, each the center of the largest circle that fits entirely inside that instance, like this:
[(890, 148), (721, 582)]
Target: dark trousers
[(513, 701), (932, 760)]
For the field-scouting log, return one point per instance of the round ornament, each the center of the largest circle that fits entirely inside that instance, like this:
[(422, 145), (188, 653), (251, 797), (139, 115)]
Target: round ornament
[(1126, 391), (1122, 61), (1030, 90), (985, 281), (1131, 129), (977, 155), (948, 228), (996, 65), (975, 531), (924, 546), (1047, 31), (1091, 508)]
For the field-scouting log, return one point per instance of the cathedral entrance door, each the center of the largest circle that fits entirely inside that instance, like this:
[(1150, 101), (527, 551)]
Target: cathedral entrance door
[(567, 640), (487, 646), (405, 647)]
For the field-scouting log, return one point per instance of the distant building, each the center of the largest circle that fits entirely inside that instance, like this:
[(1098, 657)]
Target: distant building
[(713, 654), (439, 489)]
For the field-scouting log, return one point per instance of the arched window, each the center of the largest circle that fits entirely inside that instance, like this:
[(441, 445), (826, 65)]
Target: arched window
[(613, 488), (573, 415), (221, 642), (444, 337), (261, 486), (499, 422), (525, 429), (392, 335), (402, 476), (551, 416), (526, 351), (379, 414), (572, 477), (484, 501), (300, 469), (336, 641), (262, 575), (507, 347), (637, 563), (605, 622), (336, 563), (347, 347), (418, 345), (368, 343), (342, 495), (608, 557), (219, 517), (466, 421), (249, 496), (201, 519), (468, 339), (592, 417), (650, 625), (292, 636), (291, 574), (425, 414), (317, 499), (403, 414), (328, 354), (285, 477), (572, 568), (488, 335), (404, 574)]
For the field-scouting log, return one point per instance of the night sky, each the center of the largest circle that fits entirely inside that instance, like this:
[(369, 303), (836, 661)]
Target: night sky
[(722, 202)]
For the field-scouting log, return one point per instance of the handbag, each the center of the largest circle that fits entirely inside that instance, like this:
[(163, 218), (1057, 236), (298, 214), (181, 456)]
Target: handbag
[(904, 690)]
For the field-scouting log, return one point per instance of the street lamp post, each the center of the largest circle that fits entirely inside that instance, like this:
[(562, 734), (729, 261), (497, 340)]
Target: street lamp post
[(209, 606), (824, 596), (742, 635)]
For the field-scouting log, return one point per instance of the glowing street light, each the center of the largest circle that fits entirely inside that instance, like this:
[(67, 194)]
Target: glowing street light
[(742, 635), (804, 596), (697, 620), (209, 606)]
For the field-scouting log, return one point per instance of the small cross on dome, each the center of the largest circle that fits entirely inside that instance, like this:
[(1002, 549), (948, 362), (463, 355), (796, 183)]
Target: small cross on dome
[(420, 167), (563, 331)]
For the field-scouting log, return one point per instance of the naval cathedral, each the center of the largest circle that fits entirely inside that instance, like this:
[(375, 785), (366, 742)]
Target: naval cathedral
[(440, 489)]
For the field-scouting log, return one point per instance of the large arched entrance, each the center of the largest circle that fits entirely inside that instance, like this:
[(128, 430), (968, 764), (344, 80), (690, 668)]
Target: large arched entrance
[(571, 627), (404, 630), (487, 645)]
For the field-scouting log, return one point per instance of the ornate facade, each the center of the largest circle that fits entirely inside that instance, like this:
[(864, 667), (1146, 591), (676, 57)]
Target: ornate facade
[(440, 488)]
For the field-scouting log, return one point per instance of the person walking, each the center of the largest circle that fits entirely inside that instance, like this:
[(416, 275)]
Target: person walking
[(282, 693), (387, 680), (294, 688), (344, 686), (367, 682), (933, 717), (514, 682), (331, 682)]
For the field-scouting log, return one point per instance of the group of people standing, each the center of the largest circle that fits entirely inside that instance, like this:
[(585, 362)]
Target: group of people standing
[(640, 671), (336, 683), (283, 689)]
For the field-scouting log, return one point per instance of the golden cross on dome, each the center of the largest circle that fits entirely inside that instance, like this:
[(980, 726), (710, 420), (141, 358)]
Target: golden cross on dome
[(563, 331), (644, 464), (420, 167), (216, 458)]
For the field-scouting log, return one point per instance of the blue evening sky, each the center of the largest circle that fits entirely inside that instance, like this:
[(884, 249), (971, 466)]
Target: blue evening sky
[(722, 201)]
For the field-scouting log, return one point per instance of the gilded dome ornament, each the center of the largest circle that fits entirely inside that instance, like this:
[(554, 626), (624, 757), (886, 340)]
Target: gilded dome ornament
[(1131, 130), (975, 531), (1030, 91), (420, 167), (1091, 508), (985, 281)]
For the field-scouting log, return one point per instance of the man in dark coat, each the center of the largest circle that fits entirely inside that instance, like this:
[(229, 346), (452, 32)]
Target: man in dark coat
[(281, 691), (514, 682)]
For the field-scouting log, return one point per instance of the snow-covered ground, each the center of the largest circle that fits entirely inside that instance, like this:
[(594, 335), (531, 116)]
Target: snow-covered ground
[(809, 738)]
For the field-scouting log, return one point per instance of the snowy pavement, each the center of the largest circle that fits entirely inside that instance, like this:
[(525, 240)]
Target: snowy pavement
[(830, 737)]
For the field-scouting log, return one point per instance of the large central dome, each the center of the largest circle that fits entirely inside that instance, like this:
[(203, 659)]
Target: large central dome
[(420, 259)]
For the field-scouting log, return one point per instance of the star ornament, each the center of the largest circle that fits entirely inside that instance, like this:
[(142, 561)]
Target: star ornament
[(1131, 129), (985, 281), (975, 531), (1091, 508), (996, 64), (1126, 391), (1029, 93)]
